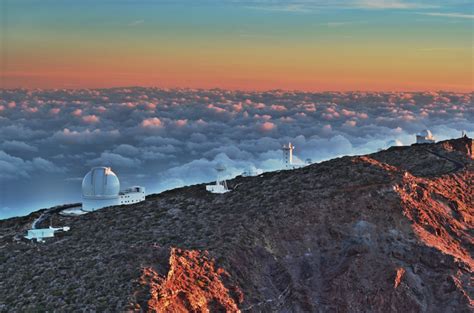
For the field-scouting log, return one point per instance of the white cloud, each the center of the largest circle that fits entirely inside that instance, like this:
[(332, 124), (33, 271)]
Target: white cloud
[(290, 8), (309, 6), (450, 15), (91, 119), (190, 130), (114, 160), (153, 122), (15, 145), (391, 4)]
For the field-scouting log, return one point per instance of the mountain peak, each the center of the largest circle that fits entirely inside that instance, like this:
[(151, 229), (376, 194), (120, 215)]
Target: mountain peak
[(383, 232)]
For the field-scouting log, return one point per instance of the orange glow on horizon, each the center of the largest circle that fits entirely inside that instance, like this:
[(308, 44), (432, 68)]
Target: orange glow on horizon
[(266, 81), (76, 45)]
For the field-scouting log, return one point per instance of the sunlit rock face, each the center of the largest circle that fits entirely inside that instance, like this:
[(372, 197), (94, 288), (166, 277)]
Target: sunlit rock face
[(385, 232), (192, 283)]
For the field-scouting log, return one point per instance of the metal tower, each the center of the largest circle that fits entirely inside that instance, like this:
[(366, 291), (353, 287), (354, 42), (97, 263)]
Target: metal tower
[(288, 155)]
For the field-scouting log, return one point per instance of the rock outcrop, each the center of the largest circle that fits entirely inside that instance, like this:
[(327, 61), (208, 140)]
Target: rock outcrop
[(386, 232), (192, 283)]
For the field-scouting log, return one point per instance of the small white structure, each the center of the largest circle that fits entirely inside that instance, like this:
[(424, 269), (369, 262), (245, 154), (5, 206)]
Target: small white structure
[(221, 184), (101, 188), (425, 137), (288, 155), (41, 233)]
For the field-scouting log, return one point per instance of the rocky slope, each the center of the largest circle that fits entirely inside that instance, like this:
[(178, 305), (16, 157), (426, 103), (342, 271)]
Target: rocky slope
[(387, 232)]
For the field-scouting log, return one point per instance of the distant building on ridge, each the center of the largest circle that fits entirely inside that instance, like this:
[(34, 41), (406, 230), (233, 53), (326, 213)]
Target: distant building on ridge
[(425, 137), (101, 188)]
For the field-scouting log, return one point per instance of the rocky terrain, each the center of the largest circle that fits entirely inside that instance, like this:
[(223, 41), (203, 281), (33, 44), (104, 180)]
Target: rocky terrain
[(386, 232)]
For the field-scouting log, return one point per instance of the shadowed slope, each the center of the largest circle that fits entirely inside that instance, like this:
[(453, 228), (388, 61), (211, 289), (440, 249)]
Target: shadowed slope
[(387, 232)]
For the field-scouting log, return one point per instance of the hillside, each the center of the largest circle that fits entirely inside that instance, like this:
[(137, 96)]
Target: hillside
[(386, 232)]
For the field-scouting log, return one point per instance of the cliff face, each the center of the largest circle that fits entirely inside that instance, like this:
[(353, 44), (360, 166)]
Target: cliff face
[(192, 283), (387, 232)]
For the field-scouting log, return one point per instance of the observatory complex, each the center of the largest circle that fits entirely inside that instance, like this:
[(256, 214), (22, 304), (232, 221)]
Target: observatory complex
[(221, 185), (425, 137), (101, 188)]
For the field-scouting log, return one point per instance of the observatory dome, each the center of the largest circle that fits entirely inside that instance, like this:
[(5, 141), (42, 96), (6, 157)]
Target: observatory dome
[(426, 133), (100, 183)]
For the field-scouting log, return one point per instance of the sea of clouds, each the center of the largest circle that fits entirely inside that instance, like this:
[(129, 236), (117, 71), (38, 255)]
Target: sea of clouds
[(165, 138)]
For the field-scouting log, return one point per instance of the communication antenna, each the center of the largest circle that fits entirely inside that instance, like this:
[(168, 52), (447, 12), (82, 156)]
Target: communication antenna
[(220, 168), (221, 184), (288, 154)]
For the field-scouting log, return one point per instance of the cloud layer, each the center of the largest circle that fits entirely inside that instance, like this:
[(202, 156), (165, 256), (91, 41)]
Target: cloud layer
[(167, 138)]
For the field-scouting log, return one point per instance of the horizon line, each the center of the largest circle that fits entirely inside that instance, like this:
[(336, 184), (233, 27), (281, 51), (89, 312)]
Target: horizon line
[(235, 89)]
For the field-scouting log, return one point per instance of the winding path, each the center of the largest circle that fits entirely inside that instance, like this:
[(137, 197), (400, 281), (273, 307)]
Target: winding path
[(458, 164), (46, 214)]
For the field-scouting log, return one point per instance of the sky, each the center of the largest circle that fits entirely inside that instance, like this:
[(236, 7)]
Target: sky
[(167, 138), (163, 91), (310, 45)]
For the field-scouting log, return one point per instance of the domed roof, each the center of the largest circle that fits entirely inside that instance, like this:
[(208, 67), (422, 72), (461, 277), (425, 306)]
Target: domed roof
[(100, 183), (426, 133)]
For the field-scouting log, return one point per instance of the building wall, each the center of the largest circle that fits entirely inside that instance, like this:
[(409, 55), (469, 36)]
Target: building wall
[(40, 233), (128, 196), (132, 197), (96, 204)]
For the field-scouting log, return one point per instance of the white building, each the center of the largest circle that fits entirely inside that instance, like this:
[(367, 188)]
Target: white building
[(131, 195), (288, 155), (101, 188), (425, 137), (41, 233), (221, 185), (289, 162)]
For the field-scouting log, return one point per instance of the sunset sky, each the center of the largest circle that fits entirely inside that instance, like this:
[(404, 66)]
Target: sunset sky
[(306, 45)]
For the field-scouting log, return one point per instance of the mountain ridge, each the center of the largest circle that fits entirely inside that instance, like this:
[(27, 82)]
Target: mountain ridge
[(389, 231)]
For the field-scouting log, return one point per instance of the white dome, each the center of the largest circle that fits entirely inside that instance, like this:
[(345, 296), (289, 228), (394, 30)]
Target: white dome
[(100, 183), (426, 133)]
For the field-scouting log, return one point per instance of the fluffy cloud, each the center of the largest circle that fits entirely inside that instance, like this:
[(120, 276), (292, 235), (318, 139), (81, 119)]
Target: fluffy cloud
[(15, 168), (83, 137), (267, 126), (114, 160), (152, 122), (14, 145), (77, 112), (168, 138), (91, 119)]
